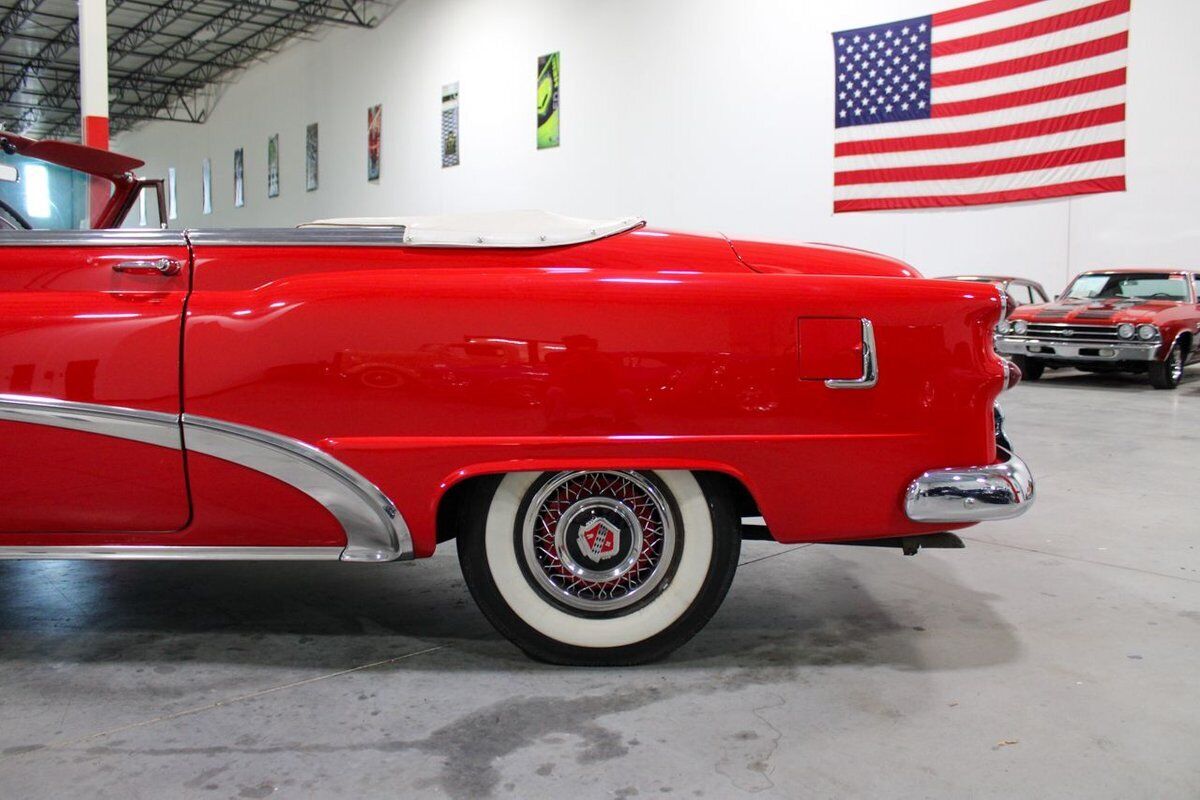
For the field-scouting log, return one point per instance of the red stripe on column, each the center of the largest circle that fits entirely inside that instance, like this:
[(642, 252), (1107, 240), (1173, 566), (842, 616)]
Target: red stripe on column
[(1094, 186), (1064, 55), (982, 169), (1042, 94), (1003, 133), (95, 132), (1059, 22), (976, 10)]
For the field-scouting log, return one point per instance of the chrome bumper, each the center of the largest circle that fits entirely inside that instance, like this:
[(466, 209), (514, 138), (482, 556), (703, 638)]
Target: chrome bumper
[(1069, 350), (973, 494)]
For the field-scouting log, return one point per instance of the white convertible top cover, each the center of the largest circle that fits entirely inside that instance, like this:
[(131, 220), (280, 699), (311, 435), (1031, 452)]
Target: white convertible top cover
[(490, 229)]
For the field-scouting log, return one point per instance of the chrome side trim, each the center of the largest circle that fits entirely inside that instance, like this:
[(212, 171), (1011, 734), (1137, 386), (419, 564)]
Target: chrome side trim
[(350, 236), (147, 553), (120, 237), (375, 531), (870, 373), (149, 427)]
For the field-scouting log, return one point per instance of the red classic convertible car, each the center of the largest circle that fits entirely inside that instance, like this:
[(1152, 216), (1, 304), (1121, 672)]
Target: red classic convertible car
[(1132, 320), (345, 391)]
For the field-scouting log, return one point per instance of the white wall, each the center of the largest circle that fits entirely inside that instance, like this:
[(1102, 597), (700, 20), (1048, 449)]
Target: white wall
[(698, 114)]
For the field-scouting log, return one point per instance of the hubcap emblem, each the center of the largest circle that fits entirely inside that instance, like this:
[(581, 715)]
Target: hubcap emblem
[(599, 540)]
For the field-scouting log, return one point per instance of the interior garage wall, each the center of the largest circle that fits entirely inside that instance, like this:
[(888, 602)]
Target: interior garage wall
[(698, 114)]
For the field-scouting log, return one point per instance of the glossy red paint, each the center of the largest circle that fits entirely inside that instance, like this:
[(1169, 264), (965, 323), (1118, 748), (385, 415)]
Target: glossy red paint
[(72, 328), (419, 367), (423, 367), (819, 259)]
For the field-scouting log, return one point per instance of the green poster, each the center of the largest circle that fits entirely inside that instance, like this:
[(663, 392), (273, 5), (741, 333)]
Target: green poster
[(547, 101)]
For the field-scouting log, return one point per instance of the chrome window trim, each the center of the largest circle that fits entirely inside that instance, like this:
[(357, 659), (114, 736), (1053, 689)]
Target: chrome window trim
[(376, 236), (168, 553), (870, 361), (375, 531), (118, 237)]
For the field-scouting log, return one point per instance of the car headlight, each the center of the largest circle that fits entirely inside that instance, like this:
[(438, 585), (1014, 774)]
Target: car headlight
[(1020, 327), (1147, 332), (1002, 327), (1125, 330)]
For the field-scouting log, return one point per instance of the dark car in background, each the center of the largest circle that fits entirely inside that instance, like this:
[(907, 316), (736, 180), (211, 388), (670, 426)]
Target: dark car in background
[(1019, 291)]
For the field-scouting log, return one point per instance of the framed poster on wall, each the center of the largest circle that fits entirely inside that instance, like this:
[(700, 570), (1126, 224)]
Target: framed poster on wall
[(547, 101), (311, 155), (374, 135), (450, 125), (239, 179), (172, 196), (206, 185), (273, 166)]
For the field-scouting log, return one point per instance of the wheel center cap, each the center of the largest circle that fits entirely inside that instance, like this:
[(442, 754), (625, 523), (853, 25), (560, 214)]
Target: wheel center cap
[(599, 538)]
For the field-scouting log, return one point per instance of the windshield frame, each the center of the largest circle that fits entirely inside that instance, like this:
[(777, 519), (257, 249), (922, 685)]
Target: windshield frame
[(1188, 296), (104, 165)]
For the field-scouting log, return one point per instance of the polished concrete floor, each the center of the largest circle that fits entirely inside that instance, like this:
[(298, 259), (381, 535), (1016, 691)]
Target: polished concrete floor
[(1057, 656)]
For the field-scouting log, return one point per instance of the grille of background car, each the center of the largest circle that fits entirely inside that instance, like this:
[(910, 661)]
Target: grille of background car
[(1078, 333)]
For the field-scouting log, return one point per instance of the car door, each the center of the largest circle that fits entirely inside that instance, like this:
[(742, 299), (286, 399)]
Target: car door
[(90, 327)]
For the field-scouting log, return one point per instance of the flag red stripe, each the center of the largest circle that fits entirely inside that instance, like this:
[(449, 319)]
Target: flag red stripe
[(1015, 66), (976, 10), (1116, 184), (983, 169), (1059, 22), (1041, 94), (1003, 133)]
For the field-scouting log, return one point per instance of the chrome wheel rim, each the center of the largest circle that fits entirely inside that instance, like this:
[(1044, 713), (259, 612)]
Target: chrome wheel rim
[(598, 541), (1176, 365)]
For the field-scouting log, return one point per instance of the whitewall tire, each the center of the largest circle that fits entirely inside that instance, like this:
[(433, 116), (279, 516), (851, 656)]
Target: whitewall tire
[(600, 567)]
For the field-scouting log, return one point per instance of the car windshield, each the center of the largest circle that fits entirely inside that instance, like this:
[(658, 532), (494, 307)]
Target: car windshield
[(39, 195), (1129, 285)]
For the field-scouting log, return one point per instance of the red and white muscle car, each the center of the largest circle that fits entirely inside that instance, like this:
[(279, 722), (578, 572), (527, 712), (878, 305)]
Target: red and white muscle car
[(1131, 320), (591, 409)]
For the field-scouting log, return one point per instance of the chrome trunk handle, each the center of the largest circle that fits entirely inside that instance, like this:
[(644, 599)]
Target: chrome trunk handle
[(870, 362), (156, 266)]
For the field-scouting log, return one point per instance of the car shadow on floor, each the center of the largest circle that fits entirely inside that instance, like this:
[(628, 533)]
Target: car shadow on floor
[(1113, 381), (821, 612)]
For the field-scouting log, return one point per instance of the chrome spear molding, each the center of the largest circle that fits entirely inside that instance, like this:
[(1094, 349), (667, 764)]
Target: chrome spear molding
[(375, 530)]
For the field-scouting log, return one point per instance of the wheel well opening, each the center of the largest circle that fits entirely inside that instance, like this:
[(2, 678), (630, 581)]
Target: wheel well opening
[(1185, 342), (459, 501), (744, 504)]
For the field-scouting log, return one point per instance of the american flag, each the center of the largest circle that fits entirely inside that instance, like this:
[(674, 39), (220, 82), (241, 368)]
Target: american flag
[(995, 102)]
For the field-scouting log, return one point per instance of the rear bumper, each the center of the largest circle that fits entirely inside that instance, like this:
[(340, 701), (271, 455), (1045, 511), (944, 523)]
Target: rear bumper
[(1067, 350), (973, 494)]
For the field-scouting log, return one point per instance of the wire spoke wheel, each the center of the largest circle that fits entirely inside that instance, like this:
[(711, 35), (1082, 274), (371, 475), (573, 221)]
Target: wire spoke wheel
[(598, 542), (599, 567)]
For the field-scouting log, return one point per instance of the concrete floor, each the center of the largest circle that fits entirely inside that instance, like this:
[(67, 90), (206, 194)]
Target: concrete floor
[(1056, 656)]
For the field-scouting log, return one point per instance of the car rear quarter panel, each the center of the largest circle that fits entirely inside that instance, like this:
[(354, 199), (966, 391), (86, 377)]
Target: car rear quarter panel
[(420, 368)]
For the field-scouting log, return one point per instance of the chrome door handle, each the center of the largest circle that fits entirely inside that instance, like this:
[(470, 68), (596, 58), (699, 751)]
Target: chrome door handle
[(157, 266)]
